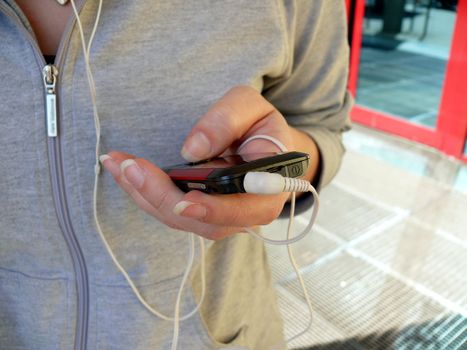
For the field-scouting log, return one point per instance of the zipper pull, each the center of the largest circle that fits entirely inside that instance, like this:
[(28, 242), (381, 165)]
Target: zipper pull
[(50, 73)]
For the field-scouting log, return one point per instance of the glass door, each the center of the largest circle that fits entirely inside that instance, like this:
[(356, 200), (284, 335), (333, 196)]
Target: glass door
[(408, 69)]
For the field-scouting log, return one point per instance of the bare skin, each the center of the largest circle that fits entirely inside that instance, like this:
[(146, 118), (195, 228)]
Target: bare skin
[(48, 20), (240, 113)]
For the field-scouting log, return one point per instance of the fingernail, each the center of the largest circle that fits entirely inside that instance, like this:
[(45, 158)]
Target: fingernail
[(109, 164), (132, 173), (197, 147), (190, 209)]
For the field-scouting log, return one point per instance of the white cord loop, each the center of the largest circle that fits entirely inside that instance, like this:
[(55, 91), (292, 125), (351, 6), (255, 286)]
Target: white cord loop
[(275, 183)]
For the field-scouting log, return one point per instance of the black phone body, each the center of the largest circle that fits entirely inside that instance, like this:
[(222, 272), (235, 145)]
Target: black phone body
[(224, 175)]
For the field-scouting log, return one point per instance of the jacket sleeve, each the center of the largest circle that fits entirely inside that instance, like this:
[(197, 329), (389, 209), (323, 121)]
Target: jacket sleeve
[(311, 93)]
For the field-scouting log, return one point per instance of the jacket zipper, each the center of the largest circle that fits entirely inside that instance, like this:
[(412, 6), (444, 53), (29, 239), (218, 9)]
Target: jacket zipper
[(50, 75), (51, 78)]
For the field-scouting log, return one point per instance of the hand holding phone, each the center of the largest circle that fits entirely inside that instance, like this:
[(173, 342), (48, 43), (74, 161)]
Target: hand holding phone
[(241, 113)]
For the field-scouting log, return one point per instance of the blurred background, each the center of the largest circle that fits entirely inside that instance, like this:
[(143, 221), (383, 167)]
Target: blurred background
[(386, 262)]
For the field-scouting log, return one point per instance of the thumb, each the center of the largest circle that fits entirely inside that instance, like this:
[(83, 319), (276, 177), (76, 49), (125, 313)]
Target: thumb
[(226, 122)]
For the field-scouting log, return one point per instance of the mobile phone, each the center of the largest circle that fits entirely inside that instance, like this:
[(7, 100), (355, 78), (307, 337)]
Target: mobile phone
[(224, 175)]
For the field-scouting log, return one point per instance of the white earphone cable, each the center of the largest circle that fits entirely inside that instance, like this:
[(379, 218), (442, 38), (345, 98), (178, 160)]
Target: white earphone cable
[(301, 184), (176, 319)]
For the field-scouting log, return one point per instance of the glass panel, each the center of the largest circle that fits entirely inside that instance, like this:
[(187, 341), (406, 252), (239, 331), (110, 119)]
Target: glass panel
[(404, 52), (461, 179)]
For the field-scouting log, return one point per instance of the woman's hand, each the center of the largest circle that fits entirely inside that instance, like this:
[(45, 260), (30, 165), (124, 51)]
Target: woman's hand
[(238, 115)]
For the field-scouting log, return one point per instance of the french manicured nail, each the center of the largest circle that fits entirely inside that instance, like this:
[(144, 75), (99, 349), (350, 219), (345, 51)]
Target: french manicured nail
[(190, 209), (132, 173), (109, 164), (197, 147)]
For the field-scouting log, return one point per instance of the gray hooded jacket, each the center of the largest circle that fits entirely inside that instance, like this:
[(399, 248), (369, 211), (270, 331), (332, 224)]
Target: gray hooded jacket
[(158, 66)]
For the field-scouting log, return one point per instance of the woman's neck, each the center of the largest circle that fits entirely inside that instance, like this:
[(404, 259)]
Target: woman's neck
[(48, 20)]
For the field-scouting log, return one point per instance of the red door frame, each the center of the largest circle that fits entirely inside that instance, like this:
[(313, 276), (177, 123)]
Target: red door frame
[(450, 133)]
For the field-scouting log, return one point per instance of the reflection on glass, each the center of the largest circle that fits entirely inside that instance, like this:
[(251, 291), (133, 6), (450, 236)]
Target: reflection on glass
[(403, 57), (460, 183)]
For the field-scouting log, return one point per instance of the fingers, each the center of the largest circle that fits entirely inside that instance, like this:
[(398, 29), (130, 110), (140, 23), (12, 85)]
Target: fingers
[(243, 209), (112, 162), (226, 122), (240, 113), (153, 191)]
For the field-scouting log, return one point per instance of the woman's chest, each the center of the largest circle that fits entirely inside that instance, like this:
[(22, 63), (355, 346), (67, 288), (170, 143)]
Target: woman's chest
[(157, 68)]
